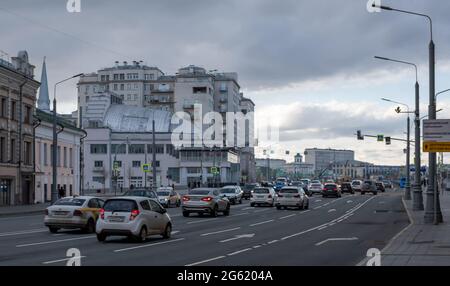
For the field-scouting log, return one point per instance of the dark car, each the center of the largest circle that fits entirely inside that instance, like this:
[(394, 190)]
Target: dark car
[(380, 186), (248, 188), (369, 187), (346, 187), (331, 190), (141, 192)]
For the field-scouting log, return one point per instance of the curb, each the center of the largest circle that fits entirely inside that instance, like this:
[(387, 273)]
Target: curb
[(22, 213)]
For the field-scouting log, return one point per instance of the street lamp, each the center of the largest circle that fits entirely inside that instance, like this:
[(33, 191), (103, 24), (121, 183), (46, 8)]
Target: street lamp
[(433, 212), (408, 144), (55, 141), (417, 187)]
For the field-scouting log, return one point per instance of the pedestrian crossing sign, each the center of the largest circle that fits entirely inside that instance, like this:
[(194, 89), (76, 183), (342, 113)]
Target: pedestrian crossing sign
[(146, 168)]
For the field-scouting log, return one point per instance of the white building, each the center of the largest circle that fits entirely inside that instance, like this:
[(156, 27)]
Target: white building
[(299, 169), (322, 159)]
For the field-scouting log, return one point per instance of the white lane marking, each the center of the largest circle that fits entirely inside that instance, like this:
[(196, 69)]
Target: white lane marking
[(54, 241), (336, 239), (64, 259), (248, 208), (203, 220), (331, 224), (323, 227), (220, 231), (250, 235), (263, 210), (273, 241), (291, 215), (349, 201), (257, 246), (239, 214), (317, 201), (23, 232), (263, 222), (239, 251), (205, 261), (318, 207), (331, 210), (149, 245), (174, 232)]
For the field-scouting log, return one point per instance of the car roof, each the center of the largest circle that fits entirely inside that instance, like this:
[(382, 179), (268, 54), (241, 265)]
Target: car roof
[(135, 198), (81, 197)]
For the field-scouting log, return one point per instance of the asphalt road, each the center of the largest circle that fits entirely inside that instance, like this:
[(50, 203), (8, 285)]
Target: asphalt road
[(332, 232)]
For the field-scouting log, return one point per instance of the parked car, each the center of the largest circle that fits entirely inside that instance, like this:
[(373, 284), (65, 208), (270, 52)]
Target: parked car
[(168, 197), (380, 186), (346, 187), (263, 196), (233, 193), (293, 197), (315, 188), (369, 186), (331, 190), (135, 217), (73, 212), (357, 185), (141, 192), (205, 200), (247, 191), (388, 184)]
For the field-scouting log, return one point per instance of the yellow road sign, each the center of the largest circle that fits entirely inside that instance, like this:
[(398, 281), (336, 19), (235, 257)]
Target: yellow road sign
[(433, 147)]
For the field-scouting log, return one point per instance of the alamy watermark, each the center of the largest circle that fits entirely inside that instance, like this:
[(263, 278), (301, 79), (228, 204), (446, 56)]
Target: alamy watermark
[(73, 6), (374, 255), (74, 255), (371, 8)]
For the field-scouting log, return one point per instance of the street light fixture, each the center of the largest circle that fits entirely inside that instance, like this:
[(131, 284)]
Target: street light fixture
[(408, 144), (54, 196), (417, 187)]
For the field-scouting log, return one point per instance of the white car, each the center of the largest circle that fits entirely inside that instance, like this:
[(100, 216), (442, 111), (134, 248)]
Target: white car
[(73, 212), (357, 185), (233, 194), (135, 217), (292, 197), (262, 196), (315, 188)]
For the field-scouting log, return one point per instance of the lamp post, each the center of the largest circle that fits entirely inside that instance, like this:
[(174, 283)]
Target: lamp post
[(417, 187), (433, 212), (408, 143), (54, 196)]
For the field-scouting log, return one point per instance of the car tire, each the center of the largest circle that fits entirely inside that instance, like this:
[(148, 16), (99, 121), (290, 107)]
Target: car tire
[(278, 207), (90, 226), (101, 237), (363, 193), (240, 201), (252, 204), (226, 212), (142, 235), (375, 193), (185, 214), (214, 211), (167, 231), (53, 229)]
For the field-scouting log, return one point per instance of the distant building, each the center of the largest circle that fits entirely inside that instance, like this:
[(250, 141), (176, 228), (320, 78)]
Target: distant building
[(363, 170), (298, 169), (322, 159)]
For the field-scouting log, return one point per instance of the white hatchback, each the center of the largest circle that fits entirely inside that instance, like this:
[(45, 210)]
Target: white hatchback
[(135, 217), (262, 196)]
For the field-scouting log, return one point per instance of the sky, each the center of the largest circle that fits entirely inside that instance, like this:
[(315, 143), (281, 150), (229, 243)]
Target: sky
[(307, 64)]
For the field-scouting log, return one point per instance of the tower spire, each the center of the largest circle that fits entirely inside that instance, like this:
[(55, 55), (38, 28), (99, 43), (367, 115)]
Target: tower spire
[(44, 100)]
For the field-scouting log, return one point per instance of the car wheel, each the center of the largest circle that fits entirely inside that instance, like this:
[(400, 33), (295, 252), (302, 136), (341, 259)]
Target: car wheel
[(142, 235), (168, 231), (101, 237), (53, 229), (214, 211), (363, 193), (90, 226), (226, 212), (252, 204), (185, 214), (240, 201), (375, 193), (278, 207)]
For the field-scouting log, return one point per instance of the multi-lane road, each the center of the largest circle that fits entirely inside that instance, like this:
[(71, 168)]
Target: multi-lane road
[(332, 232)]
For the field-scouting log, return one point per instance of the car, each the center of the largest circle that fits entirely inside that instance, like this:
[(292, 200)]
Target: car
[(205, 200), (263, 196), (306, 183), (316, 182), (388, 184), (315, 188), (357, 185), (73, 212), (291, 197), (346, 187), (369, 186), (280, 183), (380, 186), (331, 190), (168, 197), (233, 193), (134, 217), (141, 192), (247, 191)]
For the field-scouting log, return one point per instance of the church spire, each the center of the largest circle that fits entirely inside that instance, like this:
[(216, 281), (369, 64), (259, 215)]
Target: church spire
[(44, 100)]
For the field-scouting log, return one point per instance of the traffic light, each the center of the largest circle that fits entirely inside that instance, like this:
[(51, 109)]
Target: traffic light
[(359, 135), (380, 138), (388, 140)]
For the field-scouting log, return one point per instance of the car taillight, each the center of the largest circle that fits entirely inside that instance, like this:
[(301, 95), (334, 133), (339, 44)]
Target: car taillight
[(186, 198), (102, 213), (134, 214), (324, 189), (77, 213), (207, 199), (334, 189)]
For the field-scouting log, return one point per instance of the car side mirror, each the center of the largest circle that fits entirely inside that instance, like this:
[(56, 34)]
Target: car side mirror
[(163, 211)]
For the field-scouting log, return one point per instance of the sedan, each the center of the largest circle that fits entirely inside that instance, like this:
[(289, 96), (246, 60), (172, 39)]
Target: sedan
[(331, 190), (346, 187), (168, 197), (73, 212), (315, 188), (233, 193), (205, 200), (262, 196), (380, 186), (292, 197), (141, 192)]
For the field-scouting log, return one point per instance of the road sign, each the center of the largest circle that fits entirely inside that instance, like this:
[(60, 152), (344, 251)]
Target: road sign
[(146, 168), (436, 135), (214, 170), (116, 166), (433, 147), (380, 138)]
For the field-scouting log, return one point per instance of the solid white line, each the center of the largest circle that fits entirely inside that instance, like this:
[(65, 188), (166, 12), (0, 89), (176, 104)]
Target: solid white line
[(220, 231), (331, 210), (64, 259), (175, 231), (263, 222), (239, 251), (248, 208), (283, 217), (148, 245), (273, 241), (200, 221), (323, 227), (336, 239), (22, 232), (204, 261), (55, 241), (257, 246), (239, 214), (259, 211), (318, 207)]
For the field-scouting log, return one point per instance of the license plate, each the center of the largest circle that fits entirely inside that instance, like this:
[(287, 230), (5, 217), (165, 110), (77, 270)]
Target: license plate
[(60, 213), (116, 219), (260, 197)]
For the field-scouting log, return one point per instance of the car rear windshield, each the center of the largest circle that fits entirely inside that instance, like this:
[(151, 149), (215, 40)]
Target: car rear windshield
[(163, 193), (356, 183), (69, 202), (289, 191), (228, 191), (199, 192), (140, 194), (261, 191), (315, 185), (120, 206), (330, 186)]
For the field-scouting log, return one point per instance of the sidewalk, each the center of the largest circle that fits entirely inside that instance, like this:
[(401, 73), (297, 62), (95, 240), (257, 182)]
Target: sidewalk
[(421, 244), (23, 210)]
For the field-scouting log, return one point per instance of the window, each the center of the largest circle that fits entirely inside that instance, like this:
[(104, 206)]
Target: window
[(193, 170), (122, 76), (118, 164), (128, 96), (2, 149), (118, 148), (116, 76), (70, 158), (128, 86), (115, 86), (136, 149), (98, 164), (65, 157), (99, 149), (3, 107), (159, 148), (58, 157), (93, 203), (145, 205), (149, 77), (28, 153), (199, 89), (135, 97), (155, 206), (122, 86), (13, 110), (13, 151), (100, 180), (27, 115), (136, 164)]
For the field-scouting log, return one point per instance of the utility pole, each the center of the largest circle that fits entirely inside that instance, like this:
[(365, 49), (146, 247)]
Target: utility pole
[(154, 154)]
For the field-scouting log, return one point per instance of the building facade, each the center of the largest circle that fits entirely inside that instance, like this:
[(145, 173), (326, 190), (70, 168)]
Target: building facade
[(17, 104), (322, 159)]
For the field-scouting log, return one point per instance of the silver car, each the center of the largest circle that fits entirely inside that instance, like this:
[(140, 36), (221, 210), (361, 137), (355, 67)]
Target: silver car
[(135, 217), (262, 196), (315, 188), (233, 193), (205, 200), (292, 197), (73, 212)]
